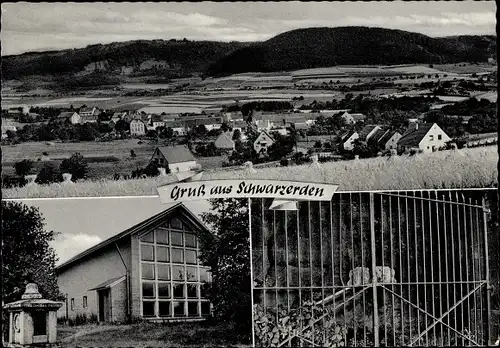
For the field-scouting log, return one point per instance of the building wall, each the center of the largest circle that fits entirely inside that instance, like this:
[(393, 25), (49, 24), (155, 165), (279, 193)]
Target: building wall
[(431, 141), (119, 302), (392, 143), (349, 143), (181, 167), (75, 118), (224, 143), (88, 273), (137, 128), (262, 142)]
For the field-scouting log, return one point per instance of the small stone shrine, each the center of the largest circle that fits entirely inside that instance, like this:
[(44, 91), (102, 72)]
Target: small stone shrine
[(32, 319)]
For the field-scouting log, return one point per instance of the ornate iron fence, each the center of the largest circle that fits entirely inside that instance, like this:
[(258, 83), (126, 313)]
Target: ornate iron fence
[(405, 268)]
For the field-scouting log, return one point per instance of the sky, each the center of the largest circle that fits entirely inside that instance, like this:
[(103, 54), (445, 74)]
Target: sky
[(84, 222), (53, 26)]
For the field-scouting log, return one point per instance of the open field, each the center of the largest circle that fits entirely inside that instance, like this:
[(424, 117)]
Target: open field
[(196, 334), (104, 158), (466, 168)]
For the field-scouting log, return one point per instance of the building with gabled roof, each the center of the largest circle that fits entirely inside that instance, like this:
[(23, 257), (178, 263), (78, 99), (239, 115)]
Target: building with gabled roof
[(367, 131), (149, 271), (69, 116), (262, 143), (225, 142), (389, 140), (176, 158), (425, 137)]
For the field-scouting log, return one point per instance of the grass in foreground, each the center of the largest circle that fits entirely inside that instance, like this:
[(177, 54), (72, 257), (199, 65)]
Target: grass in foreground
[(195, 334), (467, 168)]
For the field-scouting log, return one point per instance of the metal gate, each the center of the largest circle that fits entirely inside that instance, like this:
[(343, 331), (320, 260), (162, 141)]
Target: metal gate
[(405, 268)]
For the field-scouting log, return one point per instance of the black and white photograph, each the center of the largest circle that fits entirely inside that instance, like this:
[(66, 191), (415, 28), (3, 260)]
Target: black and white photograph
[(250, 174)]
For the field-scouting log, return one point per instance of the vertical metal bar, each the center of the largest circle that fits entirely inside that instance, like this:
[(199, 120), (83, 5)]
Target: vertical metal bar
[(481, 272), (299, 266), (431, 242), (264, 258), (251, 267), (473, 252), (287, 264), (332, 256), (275, 252), (383, 264), (448, 277), (461, 286), (466, 249), (407, 214), (440, 278), (374, 278), (416, 258), (362, 258), (341, 270), (322, 279), (391, 251), (422, 231), (402, 338), (353, 266), (311, 267), (487, 278), (453, 265)]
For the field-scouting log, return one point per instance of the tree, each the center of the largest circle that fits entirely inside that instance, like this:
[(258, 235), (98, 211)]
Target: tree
[(122, 126), (48, 174), (76, 165), (27, 254), (226, 250), (23, 167), (133, 154), (236, 135)]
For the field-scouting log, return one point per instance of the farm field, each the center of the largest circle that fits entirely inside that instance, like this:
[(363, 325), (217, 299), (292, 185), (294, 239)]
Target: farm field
[(466, 168), (104, 159)]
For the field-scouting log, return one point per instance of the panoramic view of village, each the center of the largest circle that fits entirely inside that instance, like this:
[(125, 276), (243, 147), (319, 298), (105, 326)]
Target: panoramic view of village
[(345, 162)]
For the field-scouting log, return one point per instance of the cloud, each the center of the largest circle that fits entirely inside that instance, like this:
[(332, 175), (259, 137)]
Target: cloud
[(68, 245)]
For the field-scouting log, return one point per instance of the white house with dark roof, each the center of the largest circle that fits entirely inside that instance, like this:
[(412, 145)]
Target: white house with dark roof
[(348, 139), (70, 116), (262, 143), (390, 140), (368, 131), (137, 127), (425, 137), (176, 158)]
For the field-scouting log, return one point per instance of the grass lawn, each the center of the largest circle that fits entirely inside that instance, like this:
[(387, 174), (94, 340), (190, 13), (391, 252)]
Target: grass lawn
[(195, 334)]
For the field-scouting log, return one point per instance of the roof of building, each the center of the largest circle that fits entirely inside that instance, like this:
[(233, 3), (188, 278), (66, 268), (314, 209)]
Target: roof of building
[(358, 117), (177, 154), (367, 130), (174, 124), (153, 221), (108, 283), (66, 114), (415, 135), (347, 135), (225, 137), (156, 118), (88, 109), (239, 124), (266, 133), (379, 133), (387, 136), (88, 117)]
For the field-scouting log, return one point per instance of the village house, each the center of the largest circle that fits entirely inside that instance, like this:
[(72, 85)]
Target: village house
[(347, 140), (262, 143), (367, 132), (263, 125), (89, 111), (176, 158), (70, 116), (156, 121), (117, 116), (177, 127), (242, 126), (150, 271), (389, 140), (425, 137), (137, 127), (225, 142)]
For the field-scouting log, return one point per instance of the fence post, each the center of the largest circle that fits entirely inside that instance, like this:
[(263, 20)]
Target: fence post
[(489, 341), (374, 275)]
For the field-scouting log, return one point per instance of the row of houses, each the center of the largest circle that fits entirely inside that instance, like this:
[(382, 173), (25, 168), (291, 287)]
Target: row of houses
[(425, 137)]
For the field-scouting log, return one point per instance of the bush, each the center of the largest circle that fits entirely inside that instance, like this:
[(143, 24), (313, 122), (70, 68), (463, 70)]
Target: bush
[(284, 162), (48, 174), (76, 165), (23, 167)]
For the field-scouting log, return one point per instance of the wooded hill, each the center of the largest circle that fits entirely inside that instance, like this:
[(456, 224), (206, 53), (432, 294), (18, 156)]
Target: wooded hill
[(293, 50)]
